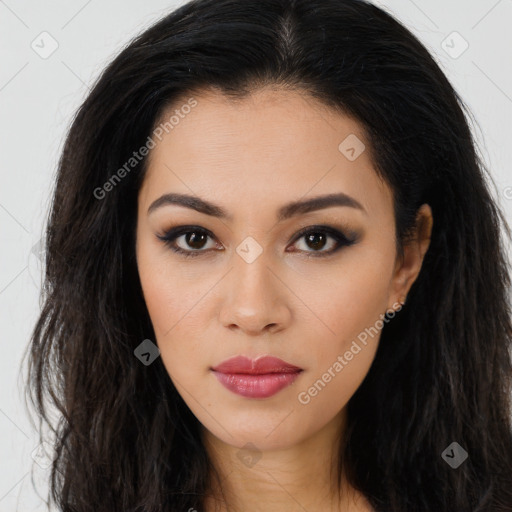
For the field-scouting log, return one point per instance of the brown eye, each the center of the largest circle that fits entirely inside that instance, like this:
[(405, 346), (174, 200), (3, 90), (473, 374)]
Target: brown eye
[(192, 243), (195, 240), (316, 238)]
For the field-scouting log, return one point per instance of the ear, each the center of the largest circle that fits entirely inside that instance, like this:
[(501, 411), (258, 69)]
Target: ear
[(408, 267)]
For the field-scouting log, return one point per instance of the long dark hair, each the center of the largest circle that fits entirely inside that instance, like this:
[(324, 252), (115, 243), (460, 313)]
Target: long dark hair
[(125, 440)]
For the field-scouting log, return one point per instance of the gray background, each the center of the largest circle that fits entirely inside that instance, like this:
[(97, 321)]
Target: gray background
[(39, 93)]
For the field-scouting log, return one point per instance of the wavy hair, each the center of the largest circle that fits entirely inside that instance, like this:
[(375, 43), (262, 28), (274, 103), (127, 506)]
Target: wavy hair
[(125, 440)]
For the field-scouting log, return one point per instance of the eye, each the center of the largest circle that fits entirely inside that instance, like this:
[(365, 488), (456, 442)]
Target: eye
[(192, 236), (315, 237), (194, 240)]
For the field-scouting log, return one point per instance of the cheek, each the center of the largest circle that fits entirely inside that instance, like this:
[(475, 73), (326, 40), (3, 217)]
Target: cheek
[(341, 356), (169, 288), (177, 337), (172, 307), (351, 306), (176, 298), (346, 299)]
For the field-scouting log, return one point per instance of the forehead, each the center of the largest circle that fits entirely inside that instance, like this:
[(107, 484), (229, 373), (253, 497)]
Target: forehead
[(274, 144)]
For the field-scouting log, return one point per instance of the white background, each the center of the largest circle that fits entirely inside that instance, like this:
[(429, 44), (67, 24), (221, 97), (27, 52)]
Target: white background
[(39, 96)]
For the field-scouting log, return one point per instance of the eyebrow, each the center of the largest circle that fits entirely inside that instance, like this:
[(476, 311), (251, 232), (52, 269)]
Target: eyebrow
[(287, 211)]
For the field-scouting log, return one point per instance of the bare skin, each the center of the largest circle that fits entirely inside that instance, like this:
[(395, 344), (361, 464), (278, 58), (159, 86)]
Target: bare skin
[(250, 158)]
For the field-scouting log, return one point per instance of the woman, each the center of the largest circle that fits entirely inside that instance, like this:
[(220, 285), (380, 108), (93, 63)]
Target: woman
[(245, 202)]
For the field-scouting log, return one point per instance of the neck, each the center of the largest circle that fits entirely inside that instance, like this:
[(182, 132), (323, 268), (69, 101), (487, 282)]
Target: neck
[(293, 478)]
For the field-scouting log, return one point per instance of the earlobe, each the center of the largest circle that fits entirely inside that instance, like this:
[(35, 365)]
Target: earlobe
[(408, 267)]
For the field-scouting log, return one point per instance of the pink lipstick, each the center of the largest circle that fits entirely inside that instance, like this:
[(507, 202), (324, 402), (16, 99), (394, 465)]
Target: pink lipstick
[(259, 378)]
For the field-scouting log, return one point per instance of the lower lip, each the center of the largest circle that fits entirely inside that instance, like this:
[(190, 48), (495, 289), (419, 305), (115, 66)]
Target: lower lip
[(256, 386)]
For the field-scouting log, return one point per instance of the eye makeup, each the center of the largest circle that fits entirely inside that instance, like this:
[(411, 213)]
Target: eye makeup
[(341, 238)]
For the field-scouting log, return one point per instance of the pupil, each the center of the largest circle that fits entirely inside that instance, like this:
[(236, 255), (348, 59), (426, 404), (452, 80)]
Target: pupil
[(315, 238), (191, 239)]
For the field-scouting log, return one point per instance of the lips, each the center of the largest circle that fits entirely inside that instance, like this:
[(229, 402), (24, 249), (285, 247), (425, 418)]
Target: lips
[(260, 378), (260, 366)]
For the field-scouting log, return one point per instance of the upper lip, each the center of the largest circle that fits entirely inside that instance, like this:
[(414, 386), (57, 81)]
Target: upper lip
[(259, 366)]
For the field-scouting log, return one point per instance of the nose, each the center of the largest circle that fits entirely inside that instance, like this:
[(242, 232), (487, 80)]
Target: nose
[(254, 298)]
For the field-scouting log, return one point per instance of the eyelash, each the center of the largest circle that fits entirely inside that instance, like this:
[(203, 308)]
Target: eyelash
[(342, 241)]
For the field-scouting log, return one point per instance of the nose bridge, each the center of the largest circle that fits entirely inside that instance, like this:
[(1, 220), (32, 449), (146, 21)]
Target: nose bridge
[(253, 300), (251, 273)]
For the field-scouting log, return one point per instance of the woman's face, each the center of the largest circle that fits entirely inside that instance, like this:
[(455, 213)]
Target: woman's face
[(254, 285)]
